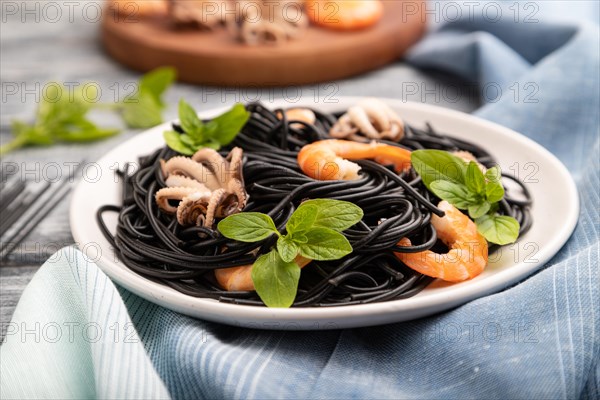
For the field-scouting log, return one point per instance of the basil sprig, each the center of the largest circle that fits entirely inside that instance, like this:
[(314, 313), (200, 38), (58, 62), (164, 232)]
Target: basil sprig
[(218, 132), (466, 187), (63, 114), (313, 232)]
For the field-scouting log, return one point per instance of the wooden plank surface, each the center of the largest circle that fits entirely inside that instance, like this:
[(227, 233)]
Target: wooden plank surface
[(36, 51)]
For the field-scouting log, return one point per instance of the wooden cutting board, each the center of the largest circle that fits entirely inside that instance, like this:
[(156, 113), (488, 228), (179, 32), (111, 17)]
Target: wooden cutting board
[(215, 58)]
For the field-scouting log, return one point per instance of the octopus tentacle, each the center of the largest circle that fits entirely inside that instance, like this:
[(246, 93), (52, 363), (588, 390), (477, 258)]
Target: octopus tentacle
[(212, 160), (377, 114), (207, 185), (184, 181), (192, 208), (372, 118), (234, 164), (343, 128), (360, 118), (171, 193), (191, 169), (213, 203)]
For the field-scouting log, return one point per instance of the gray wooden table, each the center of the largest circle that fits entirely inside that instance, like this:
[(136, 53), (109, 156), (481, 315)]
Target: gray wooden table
[(40, 46)]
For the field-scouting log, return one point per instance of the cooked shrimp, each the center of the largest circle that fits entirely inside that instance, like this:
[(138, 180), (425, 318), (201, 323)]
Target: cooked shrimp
[(345, 14), (326, 159), (137, 8), (240, 278), (468, 253)]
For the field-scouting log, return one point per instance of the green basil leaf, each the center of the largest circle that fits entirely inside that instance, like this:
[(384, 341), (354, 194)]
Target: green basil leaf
[(210, 129), (175, 142), (157, 81), (31, 134), (434, 165), (499, 229), (59, 105), (230, 124), (19, 128), (302, 219), (80, 129), (48, 107), (479, 210), (493, 174), (475, 179), (454, 193), (325, 244), (334, 214), (247, 227), (299, 237), (187, 140), (85, 134), (288, 250), (275, 280), (494, 192), (141, 111), (190, 123)]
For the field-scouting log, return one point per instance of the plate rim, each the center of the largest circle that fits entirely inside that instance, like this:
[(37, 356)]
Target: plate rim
[(414, 307)]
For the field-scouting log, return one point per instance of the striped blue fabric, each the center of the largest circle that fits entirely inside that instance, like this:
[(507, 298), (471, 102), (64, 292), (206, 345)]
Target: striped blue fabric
[(539, 339)]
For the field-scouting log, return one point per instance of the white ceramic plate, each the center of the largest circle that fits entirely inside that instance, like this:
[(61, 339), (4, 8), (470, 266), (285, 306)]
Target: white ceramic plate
[(555, 212)]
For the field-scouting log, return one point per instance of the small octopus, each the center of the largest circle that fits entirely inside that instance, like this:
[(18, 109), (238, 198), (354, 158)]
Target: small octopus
[(369, 119), (207, 187)]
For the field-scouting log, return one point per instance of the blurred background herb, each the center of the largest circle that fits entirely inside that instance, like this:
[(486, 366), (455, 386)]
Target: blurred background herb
[(62, 115)]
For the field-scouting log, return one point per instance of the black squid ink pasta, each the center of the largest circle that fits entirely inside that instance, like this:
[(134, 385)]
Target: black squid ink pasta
[(154, 245)]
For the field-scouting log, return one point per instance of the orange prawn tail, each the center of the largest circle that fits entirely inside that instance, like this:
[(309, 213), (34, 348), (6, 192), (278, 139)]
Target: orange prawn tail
[(397, 156), (236, 279), (468, 255), (345, 14), (459, 264), (327, 159)]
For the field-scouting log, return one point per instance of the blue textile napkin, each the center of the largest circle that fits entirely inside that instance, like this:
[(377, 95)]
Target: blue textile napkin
[(75, 335)]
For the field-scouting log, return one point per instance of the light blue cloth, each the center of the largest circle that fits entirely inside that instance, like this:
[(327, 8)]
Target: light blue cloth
[(539, 339)]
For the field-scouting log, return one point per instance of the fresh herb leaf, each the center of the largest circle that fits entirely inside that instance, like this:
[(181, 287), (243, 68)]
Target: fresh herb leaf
[(493, 174), (216, 133), (479, 210), (433, 165), (298, 237), (475, 179), (325, 244), (454, 193), (175, 141), (62, 113), (247, 227), (210, 129), (229, 124), (499, 229), (60, 116), (275, 280), (302, 219), (157, 81), (334, 214), (287, 248), (187, 141), (31, 134), (466, 187), (275, 275), (190, 123), (212, 144), (141, 111), (494, 192)]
